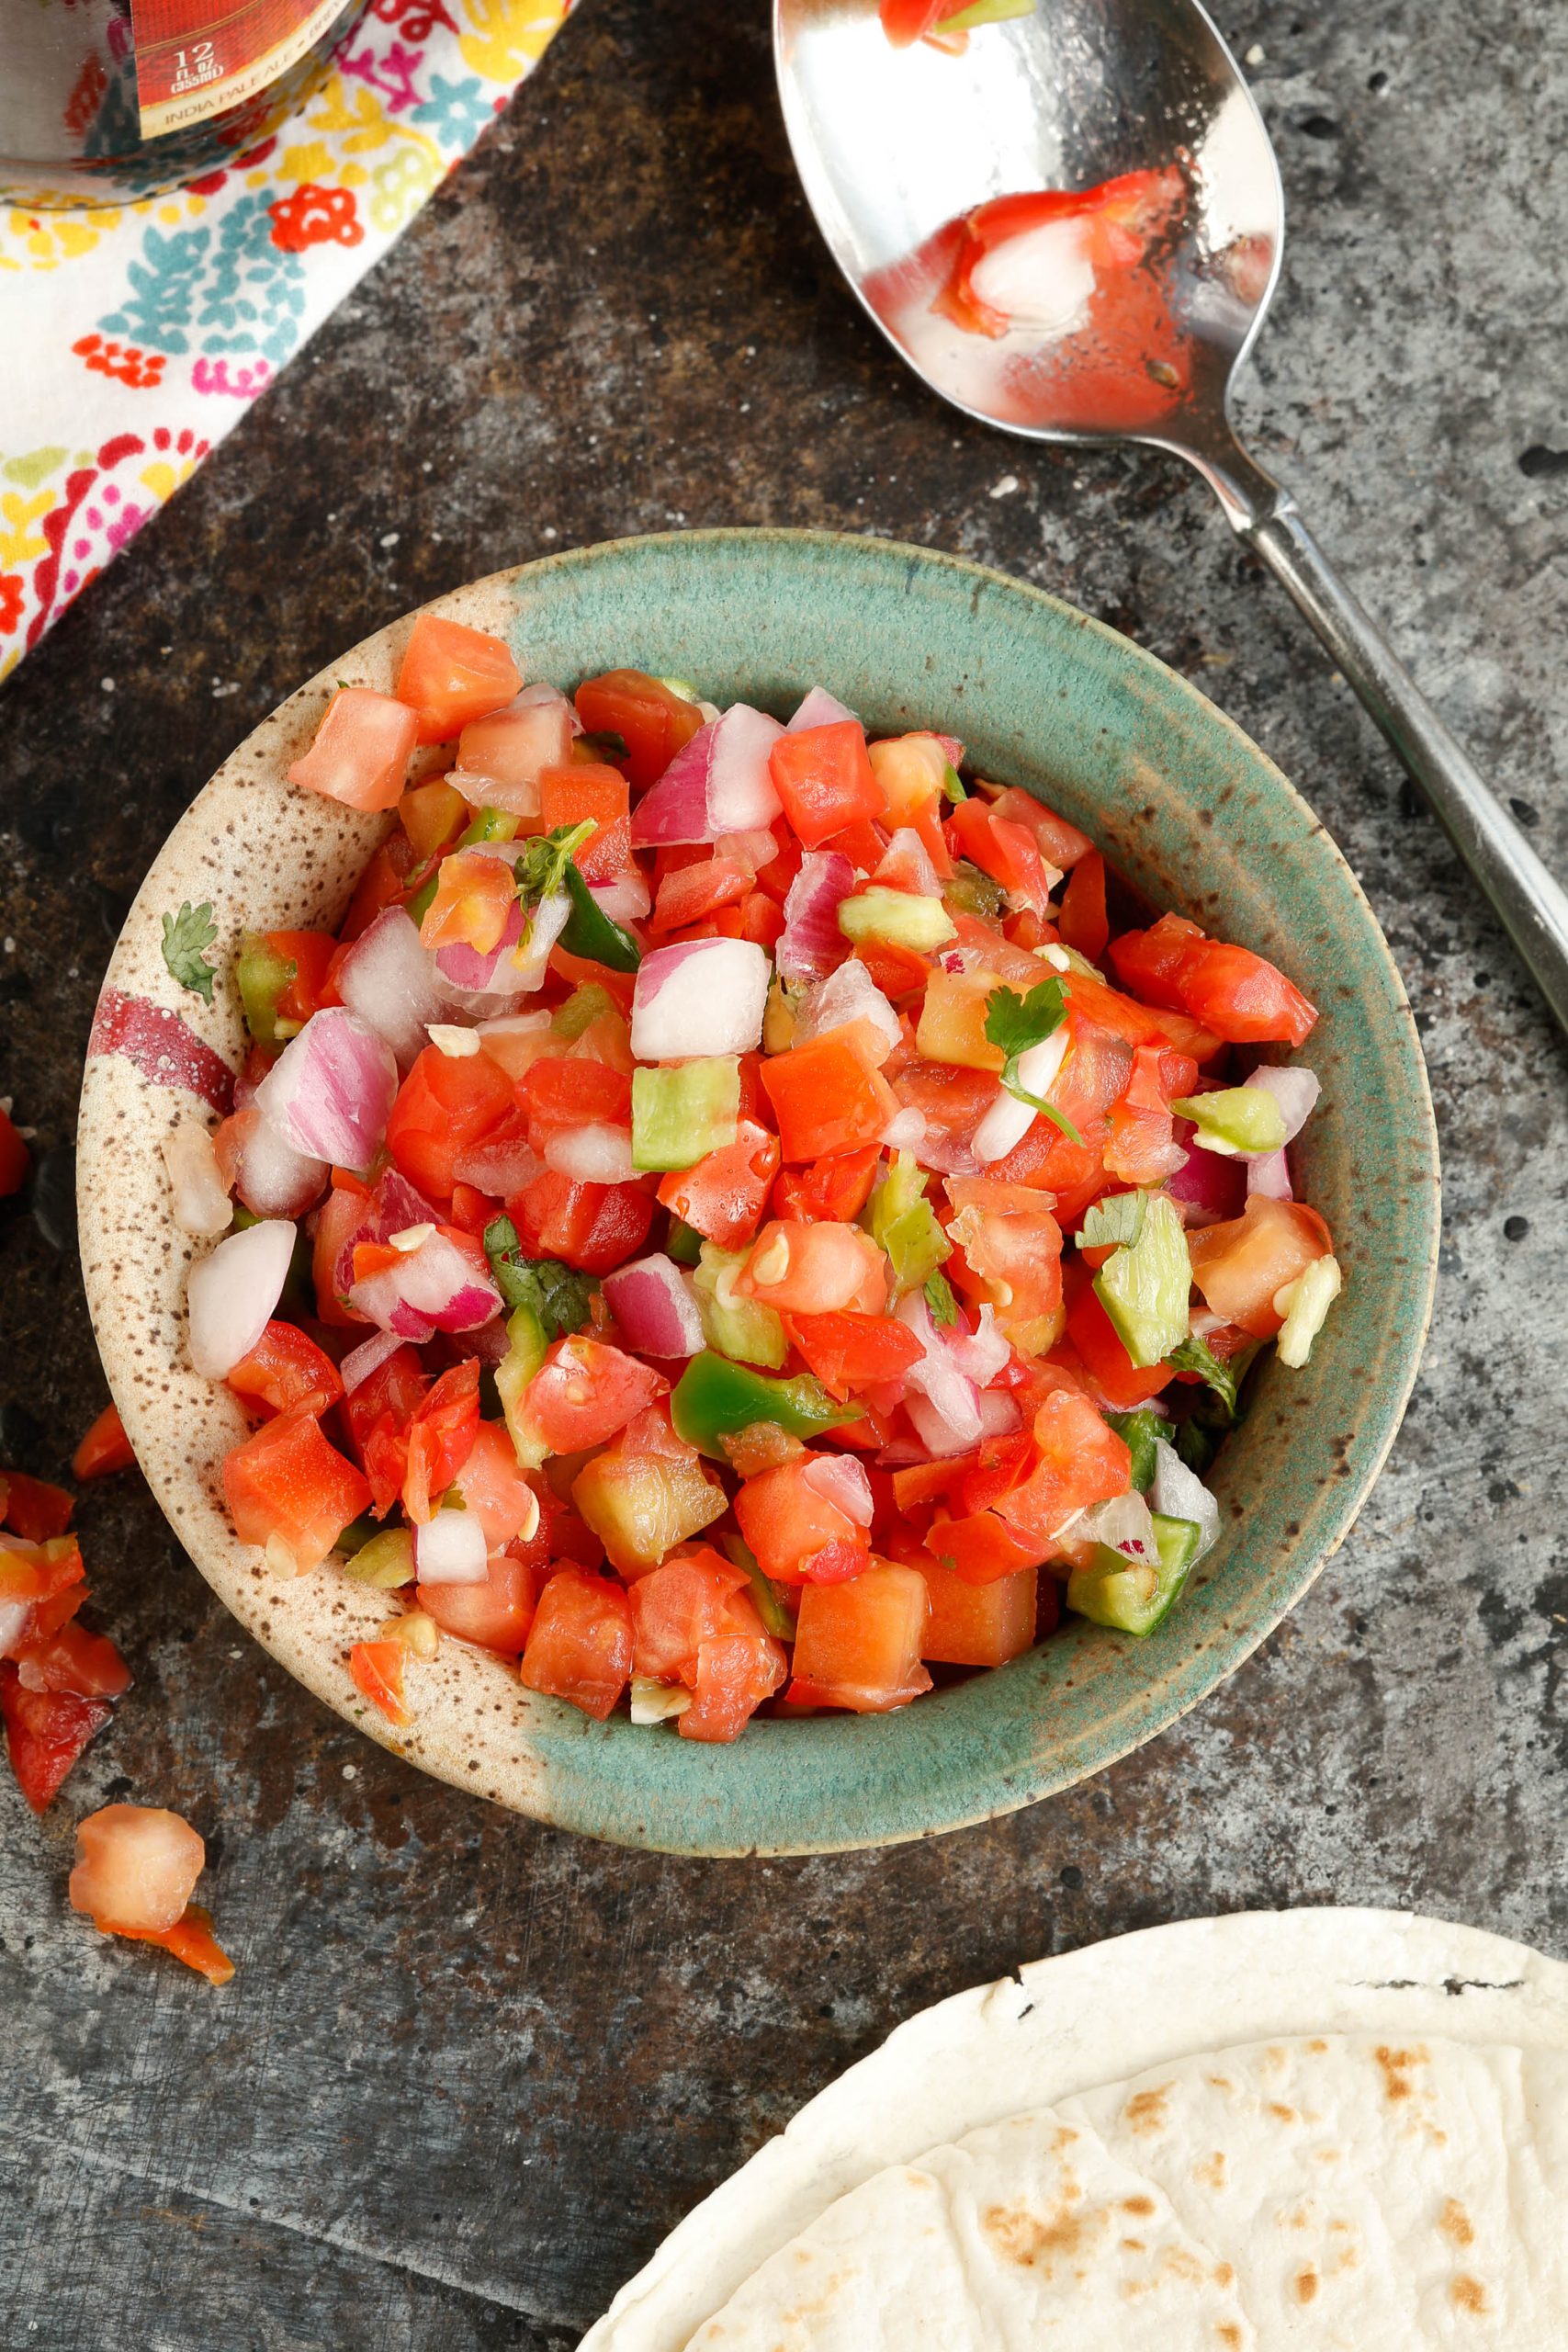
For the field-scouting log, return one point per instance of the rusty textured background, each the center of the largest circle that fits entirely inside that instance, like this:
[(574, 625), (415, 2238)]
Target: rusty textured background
[(469, 2070)]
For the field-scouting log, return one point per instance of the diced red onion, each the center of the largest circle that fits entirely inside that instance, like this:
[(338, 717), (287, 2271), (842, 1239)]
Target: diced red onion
[(819, 709), (999, 1415), (718, 784), (951, 1394), (1209, 1184), (840, 1480), (392, 1207), (980, 1353), (499, 1168), (1270, 1175), (626, 898), (271, 1178), (435, 1287), (652, 1301), (450, 1548), (390, 980), (198, 1198), (508, 751), (907, 865), (369, 1356), (1008, 1120), (1177, 1493), (701, 996), (490, 1342), (597, 1154), (231, 1294), (848, 994), (811, 944), (330, 1090), (954, 748), (494, 973), (946, 1155), (1294, 1088)]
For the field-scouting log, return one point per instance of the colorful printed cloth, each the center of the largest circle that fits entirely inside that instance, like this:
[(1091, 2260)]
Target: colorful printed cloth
[(143, 332)]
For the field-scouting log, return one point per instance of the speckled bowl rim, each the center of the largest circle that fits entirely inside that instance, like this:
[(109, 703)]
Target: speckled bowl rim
[(1183, 801)]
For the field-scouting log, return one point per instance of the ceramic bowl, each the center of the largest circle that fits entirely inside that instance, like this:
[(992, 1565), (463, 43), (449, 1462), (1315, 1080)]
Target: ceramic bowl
[(1195, 816)]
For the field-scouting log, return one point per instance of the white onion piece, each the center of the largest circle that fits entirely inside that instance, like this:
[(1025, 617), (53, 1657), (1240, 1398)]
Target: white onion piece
[(716, 784), (389, 981), (1008, 1120), (905, 1131), (625, 900), (231, 1294), (811, 944), (999, 1415), (942, 1437), (434, 1288), (505, 753), (819, 709), (839, 1479), (369, 1356), (1176, 1493), (450, 1548), (652, 1301), (330, 1090), (702, 996), (198, 1199), (951, 1394), (1270, 1176), (272, 1178), (1125, 1525), (1295, 1091), (981, 1354), (598, 1154), (848, 994), (549, 920)]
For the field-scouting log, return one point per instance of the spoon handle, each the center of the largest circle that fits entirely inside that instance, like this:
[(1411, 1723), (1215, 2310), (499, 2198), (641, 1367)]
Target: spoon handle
[(1531, 902)]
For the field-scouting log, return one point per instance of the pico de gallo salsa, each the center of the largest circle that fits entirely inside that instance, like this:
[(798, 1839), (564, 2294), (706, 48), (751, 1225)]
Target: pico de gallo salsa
[(738, 1217)]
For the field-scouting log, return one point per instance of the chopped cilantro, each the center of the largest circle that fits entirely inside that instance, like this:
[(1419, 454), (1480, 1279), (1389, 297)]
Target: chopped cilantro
[(1196, 1355), (1115, 1220), (541, 869), (558, 1296), (1014, 1023), (186, 936)]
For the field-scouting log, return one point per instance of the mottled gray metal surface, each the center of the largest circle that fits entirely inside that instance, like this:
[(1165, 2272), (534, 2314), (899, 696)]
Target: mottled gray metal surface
[(470, 2071)]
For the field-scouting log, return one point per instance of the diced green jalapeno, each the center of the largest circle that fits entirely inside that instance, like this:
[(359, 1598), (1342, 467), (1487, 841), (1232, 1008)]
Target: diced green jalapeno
[(1140, 1433), (1134, 1595), (262, 976), (591, 933), (715, 1398), (680, 1114)]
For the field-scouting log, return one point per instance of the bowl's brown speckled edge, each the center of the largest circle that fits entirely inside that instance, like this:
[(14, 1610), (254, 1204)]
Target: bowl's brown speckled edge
[(1197, 816)]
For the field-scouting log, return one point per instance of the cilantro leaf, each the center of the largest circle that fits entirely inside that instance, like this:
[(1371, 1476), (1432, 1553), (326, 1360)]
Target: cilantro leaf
[(1014, 1023), (1114, 1221), (541, 869), (1196, 1355), (558, 1296), (940, 1299), (186, 936)]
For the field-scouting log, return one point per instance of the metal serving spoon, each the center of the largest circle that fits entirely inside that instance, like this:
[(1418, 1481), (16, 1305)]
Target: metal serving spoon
[(894, 144)]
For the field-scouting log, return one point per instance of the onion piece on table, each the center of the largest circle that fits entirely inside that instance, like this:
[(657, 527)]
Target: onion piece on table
[(651, 1300), (232, 1292), (330, 1090)]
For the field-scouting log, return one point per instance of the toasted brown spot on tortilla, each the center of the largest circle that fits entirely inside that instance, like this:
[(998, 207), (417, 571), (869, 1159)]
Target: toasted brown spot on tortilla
[(1282, 2114), (1221, 2083), (1318, 2048), (1031, 2239), (1397, 2066), (1468, 2294), (1456, 2223), (1305, 2285), (1229, 2335), (1274, 2058), (1146, 2110), (1225, 2274), (1133, 2245), (1211, 2172), (1137, 2205)]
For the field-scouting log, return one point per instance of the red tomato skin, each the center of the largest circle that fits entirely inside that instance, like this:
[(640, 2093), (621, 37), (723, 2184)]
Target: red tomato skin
[(847, 1352), (1240, 1264), (678, 1606), (496, 1615), (580, 1645), (568, 795), (735, 1673), (285, 1480), (16, 1161), (825, 779), (376, 1670), (445, 1104), (797, 1535), (723, 1195), (833, 1192), (1082, 1460), (980, 1550), (857, 1646), (829, 1096), (34, 1509), (104, 1449), (586, 1391), (376, 1415), (1239, 996), (1083, 923), (451, 673), (287, 1368), (45, 1733), (441, 1437), (361, 750), (592, 1226), (652, 721), (907, 21), (560, 1094), (87, 1664), (974, 1623)]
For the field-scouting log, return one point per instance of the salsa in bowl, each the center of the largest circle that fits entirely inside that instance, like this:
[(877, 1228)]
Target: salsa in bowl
[(735, 1215)]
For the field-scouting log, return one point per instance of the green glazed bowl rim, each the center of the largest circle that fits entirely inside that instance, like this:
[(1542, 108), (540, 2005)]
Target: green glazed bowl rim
[(1182, 801)]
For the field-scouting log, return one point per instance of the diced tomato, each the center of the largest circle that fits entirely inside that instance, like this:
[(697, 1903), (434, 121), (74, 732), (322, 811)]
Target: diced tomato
[(824, 777), (72, 1659), (1000, 1462), (699, 891), (849, 1352), (924, 1483), (34, 1572), (681, 1605), (45, 1733), (378, 1414), (287, 1368), (819, 1269), (1008, 852), (445, 1105), (451, 673), (1082, 923), (376, 1670), (104, 1450), (829, 1096), (473, 1210), (948, 1096), (974, 1623), (580, 1645), (798, 1529), (1012, 1256), (651, 719), (496, 1615), (136, 1868), (724, 1194), (1142, 1147), (834, 1190), (907, 21), (34, 1509), (593, 1226), (982, 1550), (292, 1492), (16, 1161), (190, 1940), (336, 1222), (586, 1391), (1123, 1384), (646, 1493), (311, 953), (1239, 995), (493, 1486), (361, 750), (474, 896), (441, 1436), (1240, 1266), (561, 1095), (568, 795), (1082, 1460), (858, 1646), (735, 1673)]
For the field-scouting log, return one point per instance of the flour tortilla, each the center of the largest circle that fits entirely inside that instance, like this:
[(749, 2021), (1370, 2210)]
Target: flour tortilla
[(1062, 2027), (1341, 2193)]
